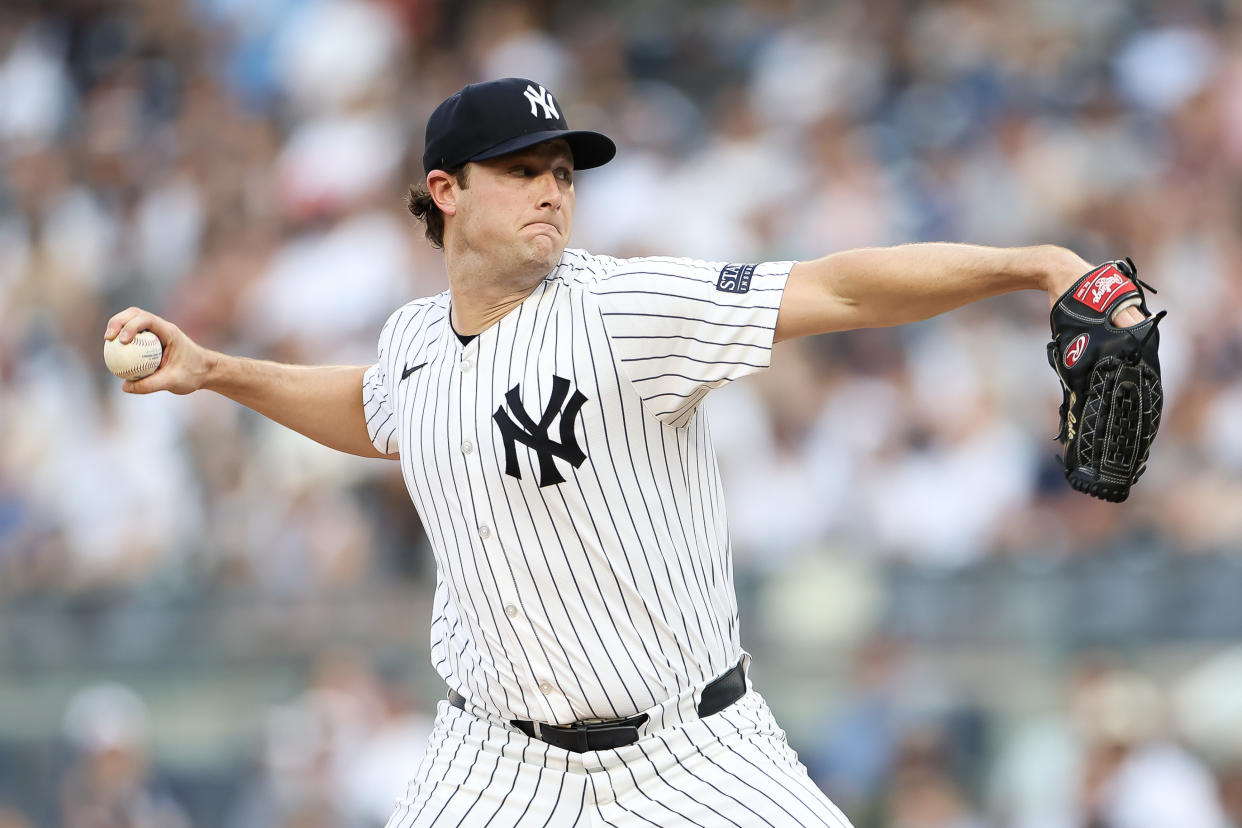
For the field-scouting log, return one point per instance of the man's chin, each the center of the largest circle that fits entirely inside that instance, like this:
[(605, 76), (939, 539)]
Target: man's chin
[(546, 252)]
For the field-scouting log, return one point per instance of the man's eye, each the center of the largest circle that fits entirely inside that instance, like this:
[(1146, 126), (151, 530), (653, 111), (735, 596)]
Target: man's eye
[(565, 175), (522, 171)]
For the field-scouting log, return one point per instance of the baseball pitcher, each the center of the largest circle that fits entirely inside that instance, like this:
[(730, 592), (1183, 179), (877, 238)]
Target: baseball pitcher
[(545, 411)]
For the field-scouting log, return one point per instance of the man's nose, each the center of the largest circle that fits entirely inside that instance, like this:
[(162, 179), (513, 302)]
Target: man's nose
[(549, 190)]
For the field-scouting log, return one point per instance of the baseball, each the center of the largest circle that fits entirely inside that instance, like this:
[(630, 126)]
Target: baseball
[(135, 360)]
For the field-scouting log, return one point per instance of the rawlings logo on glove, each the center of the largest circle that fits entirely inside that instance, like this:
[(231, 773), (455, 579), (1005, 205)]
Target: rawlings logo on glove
[(1099, 287), (1110, 377)]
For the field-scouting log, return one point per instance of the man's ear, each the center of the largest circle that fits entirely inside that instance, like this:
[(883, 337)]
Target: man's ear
[(443, 193)]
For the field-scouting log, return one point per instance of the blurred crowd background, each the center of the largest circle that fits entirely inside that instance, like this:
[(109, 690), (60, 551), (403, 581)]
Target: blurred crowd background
[(206, 620)]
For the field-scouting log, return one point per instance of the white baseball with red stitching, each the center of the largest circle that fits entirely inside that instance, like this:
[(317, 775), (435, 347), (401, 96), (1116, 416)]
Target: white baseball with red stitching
[(136, 359)]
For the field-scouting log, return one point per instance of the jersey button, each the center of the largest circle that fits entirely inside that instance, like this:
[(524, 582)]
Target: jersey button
[(466, 365), (546, 688), (511, 610), (485, 532), (467, 447)]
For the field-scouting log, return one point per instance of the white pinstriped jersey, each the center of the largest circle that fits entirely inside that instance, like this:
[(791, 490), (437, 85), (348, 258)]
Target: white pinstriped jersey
[(567, 482)]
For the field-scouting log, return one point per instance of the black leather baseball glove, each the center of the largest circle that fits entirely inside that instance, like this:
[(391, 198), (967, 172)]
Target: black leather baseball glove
[(1111, 381)]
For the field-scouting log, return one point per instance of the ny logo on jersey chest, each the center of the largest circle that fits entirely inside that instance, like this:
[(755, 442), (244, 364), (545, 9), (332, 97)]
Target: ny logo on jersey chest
[(535, 435)]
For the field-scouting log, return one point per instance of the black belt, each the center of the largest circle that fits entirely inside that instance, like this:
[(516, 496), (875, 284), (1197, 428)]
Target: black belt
[(615, 733)]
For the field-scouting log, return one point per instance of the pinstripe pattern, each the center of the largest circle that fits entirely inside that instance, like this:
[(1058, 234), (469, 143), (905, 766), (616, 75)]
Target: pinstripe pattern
[(732, 769), (476, 773), (606, 594), (583, 568)]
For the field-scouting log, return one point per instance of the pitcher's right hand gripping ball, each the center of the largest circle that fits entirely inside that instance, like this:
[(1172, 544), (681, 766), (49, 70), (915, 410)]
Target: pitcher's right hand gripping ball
[(137, 359), (1111, 381)]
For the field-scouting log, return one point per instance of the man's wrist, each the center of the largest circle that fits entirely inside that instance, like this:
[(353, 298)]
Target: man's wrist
[(1057, 268), (212, 374)]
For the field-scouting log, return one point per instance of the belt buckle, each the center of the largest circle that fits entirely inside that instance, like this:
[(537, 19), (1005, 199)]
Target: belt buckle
[(574, 737), (581, 732), (577, 737)]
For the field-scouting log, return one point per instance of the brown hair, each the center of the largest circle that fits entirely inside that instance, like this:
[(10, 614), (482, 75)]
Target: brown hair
[(423, 207)]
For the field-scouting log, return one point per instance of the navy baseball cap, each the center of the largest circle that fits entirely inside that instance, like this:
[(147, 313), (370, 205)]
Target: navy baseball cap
[(486, 120)]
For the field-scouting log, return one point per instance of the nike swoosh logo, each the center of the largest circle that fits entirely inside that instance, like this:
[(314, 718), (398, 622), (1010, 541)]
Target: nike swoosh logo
[(406, 373)]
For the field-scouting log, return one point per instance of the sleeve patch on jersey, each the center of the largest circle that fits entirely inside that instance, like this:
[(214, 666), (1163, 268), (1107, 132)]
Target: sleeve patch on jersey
[(735, 278)]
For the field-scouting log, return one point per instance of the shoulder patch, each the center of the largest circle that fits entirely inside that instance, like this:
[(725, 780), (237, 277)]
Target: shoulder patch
[(735, 278)]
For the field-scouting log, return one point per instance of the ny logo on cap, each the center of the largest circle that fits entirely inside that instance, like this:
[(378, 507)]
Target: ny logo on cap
[(541, 98)]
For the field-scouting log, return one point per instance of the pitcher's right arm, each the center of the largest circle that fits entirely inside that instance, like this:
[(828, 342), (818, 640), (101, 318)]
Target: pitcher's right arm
[(322, 402)]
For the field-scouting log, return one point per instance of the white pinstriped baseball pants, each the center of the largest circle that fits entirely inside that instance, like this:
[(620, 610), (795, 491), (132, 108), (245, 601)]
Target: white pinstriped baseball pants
[(731, 769)]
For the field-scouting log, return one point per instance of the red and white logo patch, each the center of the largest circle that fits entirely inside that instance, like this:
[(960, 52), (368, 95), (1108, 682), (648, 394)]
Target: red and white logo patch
[(1076, 349), (1105, 285)]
